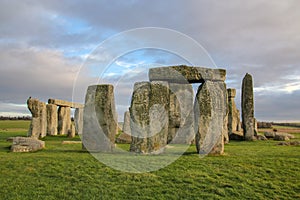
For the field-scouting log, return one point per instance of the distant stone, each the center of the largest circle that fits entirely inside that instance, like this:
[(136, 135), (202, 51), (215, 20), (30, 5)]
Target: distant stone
[(26, 144), (71, 131), (186, 74), (233, 112), (38, 126), (269, 134), (100, 124), (261, 137), (181, 114), (210, 116), (126, 125), (64, 120), (248, 108), (78, 120), (52, 121), (281, 137), (123, 139), (64, 103)]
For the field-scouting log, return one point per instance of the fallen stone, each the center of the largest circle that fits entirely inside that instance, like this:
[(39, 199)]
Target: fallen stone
[(186, 74), (261, 137), (280, 137), (210, 116), (100, 124), (26, 144), (248, 108), (269, 134), (123, 139)]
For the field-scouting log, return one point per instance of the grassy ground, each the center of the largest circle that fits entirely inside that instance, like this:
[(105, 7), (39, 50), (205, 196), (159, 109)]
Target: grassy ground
[(248, 170)]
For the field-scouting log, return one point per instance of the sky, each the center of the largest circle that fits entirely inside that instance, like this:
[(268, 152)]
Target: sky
[(46, 45)]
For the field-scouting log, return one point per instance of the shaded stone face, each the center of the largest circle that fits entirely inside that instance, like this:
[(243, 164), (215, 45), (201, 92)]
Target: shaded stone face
[(38, 126), (181, 114), (210, 117), (52, 121), (248, 122), (64, 120), (149, 115), (186, 74), (100, 119)]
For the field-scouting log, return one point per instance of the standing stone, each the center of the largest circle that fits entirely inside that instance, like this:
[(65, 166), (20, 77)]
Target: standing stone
[(159, 116), (100, 123), (139, 114), (78, 119), (248, 107), (210, 116), (150, 118), (52, 121), (64, 120), (38, 126), (126, 124), (72, 131), (233, 112), (181, 114)]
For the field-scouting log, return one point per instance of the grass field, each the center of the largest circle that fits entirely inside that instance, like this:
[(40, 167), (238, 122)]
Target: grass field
[(248, 170)]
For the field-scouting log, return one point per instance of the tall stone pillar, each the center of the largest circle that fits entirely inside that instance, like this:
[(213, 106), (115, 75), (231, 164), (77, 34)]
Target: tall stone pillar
[(150, 117), (233, 112), (248, 107), (38, 126), (100, 121), (181, 114), (52, 121), (78, 120), (210, 117), (64, 120)]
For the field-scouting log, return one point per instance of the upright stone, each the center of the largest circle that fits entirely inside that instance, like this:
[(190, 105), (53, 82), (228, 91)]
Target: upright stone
[(248, 107), (52, 121), (210, 117), (100, 123), (139, 114), (78, 119), (38, 126), (150, 118), (126, 124), (159, 116), (181, 114), (64, 120), (233, 113)]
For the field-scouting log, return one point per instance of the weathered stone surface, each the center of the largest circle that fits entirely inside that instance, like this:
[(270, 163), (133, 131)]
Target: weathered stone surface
[(126, 125), (149, 114), (78, 120), (38, 126), (139, 114), (64, 120), (26, 144), (64, 103), (281, 137), (210, 116), (100, 122), (248, 107), (186, 74), (181, 114), (233, 112), (52, 122)]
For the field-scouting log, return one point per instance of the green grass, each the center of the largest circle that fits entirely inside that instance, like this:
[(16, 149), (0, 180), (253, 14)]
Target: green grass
[(248, 170)]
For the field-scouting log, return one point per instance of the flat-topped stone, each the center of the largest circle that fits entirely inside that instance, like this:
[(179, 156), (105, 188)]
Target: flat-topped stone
[(186, 74), (64, 103)]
